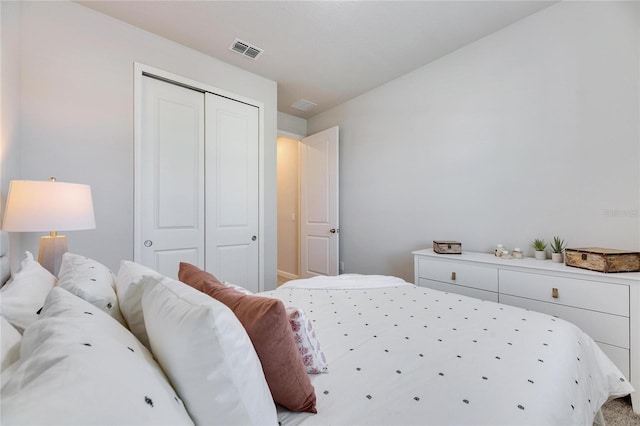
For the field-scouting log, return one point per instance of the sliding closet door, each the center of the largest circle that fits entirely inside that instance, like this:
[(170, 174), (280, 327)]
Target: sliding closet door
[(232, 191), (170, 184)]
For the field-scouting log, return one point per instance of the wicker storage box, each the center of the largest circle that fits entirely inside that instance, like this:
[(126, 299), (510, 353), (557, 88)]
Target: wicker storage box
[(447, 247), (603, 260)]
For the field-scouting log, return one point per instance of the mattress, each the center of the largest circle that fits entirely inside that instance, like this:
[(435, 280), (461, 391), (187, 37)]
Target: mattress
[(403, 354)]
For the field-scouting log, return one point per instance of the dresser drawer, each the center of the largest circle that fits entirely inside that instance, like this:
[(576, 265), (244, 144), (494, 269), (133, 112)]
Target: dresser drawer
[(479, 277), (601, 327), (459, 289), (619, 356), (596, 296)]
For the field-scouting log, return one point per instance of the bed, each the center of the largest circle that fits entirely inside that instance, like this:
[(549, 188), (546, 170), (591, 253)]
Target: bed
[(133, 347), (404, 354)]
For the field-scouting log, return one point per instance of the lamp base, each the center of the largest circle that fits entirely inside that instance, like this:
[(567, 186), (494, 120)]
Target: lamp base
[(51, 251)]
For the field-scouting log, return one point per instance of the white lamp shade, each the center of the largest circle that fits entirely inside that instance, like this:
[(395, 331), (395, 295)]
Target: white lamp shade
[(41, 206)]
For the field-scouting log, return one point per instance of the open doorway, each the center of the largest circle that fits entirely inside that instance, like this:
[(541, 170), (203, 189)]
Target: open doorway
[(307, 183), (288, 175)]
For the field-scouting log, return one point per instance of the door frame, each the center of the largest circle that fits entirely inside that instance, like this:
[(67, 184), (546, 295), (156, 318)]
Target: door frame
[(298, 137), (139, 71)]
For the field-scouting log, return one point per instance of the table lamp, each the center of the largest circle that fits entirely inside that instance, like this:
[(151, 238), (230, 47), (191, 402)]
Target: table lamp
[(41, 206)]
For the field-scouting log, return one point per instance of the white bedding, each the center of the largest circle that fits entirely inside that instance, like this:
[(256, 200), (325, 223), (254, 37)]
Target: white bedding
[(403, 354), (346, 281)]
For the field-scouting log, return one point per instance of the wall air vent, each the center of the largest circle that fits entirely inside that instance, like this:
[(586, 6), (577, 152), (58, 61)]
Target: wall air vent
[(303, 105), (245, 49)]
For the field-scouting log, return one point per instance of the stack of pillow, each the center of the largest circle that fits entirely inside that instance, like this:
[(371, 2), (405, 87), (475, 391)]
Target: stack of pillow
[(203, 352), (20, 299), (267, 325)]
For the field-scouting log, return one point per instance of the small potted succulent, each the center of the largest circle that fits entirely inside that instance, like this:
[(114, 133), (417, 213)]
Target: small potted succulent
[(540, 246), (557, 250)]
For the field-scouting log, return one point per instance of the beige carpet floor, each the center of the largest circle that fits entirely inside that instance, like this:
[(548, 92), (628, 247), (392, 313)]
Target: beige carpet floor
[(619, 413)]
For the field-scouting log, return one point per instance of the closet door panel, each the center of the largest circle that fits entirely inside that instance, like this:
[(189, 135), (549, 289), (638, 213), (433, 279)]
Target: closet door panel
[(232, 191), (171, 177)]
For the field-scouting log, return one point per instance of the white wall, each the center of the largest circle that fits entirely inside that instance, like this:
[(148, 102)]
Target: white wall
[(292, 125), (77, 115), (10, 110), (288, 212), (530, 132)]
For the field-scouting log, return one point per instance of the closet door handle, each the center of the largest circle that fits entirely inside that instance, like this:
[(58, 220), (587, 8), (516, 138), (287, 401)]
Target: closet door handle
[(254, 238)]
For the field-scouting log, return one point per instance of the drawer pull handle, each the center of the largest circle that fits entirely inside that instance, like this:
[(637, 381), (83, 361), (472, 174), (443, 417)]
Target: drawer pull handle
[(554, 293), (584, 256), (453, 276)]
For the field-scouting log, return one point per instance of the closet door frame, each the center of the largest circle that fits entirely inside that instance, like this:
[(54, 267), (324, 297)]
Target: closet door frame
[(141, 70)]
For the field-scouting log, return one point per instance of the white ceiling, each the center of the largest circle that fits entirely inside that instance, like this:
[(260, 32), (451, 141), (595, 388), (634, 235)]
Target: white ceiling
[(326, 52)]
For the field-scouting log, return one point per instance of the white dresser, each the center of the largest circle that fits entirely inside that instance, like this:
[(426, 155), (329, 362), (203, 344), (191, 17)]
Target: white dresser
[(605, 306)]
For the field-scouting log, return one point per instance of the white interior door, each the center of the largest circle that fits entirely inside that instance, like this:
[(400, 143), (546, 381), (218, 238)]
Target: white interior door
[(170, 174), (319, 228), (232, 191)]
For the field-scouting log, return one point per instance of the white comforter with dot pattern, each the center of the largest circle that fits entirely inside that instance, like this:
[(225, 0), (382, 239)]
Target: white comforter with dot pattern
[(401, 354)]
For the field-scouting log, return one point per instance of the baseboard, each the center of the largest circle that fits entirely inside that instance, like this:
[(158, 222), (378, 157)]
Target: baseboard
[(287, 275)]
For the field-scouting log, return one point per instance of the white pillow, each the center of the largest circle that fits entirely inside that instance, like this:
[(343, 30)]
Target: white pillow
[(207, 355), (23, 295), (91, 281), (80, 367), (239, 288), (10, 343), (61, 304), (129, 291)]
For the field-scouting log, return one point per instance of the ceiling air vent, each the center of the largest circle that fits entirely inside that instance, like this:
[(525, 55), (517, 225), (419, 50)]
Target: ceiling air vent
[(245, 49), (303, 105)]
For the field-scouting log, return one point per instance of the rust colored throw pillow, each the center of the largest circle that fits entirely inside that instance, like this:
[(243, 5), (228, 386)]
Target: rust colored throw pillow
[(267, 324), (194, 276)]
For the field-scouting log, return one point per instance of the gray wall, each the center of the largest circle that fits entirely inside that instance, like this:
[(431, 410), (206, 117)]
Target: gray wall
[(10, 150), (77, 115), (530, 132), (292, 125)]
